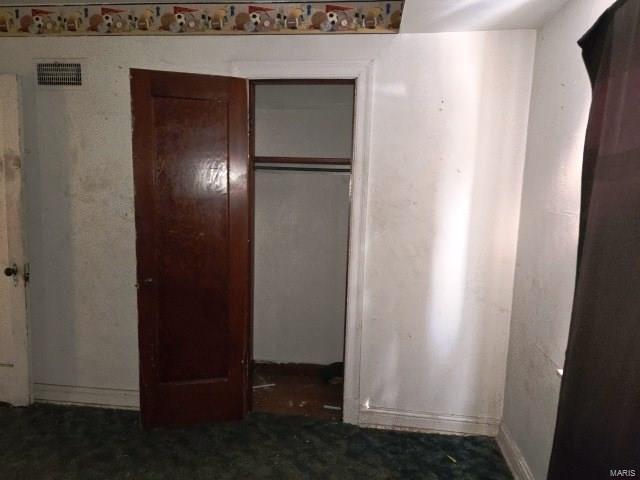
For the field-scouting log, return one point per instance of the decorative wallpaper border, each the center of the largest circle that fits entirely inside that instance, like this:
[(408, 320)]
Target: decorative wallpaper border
[(202, 18)]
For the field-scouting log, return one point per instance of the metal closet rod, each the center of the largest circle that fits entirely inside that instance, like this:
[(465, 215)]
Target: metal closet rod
[(303, 164)]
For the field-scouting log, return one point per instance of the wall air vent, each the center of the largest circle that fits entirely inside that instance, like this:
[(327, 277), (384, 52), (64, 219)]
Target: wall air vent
[(59, 74)]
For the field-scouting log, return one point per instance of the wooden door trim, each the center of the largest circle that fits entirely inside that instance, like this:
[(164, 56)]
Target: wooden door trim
[(16, 374), (241, 221), (360, 72), (304, 81)]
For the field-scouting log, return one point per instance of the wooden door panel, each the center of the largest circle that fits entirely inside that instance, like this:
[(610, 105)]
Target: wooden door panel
[(192, 197), (192, 222)]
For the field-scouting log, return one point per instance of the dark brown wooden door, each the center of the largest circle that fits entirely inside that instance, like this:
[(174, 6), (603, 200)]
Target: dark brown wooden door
[(191, 173)]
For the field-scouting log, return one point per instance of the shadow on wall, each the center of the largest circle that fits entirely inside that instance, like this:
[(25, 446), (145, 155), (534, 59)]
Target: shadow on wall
[(80, 232), (547, 243), (49, 228)]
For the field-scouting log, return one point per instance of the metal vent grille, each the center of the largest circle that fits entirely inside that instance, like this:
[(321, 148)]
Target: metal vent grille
[(60, 74)]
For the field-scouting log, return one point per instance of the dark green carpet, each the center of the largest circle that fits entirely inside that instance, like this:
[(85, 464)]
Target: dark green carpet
[(54, 442)]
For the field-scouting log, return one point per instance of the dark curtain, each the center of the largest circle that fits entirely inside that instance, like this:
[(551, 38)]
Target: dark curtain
[(598, 424)]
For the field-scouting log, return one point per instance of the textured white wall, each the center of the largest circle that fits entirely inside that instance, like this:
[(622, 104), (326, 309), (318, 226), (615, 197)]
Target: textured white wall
[(448, 140), (301, 235), (545, 272), (450, 122)]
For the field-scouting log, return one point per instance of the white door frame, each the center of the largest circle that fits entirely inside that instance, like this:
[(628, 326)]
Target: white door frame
[(362, 72), (15, 372)]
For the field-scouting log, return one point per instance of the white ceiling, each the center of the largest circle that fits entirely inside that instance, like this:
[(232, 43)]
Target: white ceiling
[(425, 16)]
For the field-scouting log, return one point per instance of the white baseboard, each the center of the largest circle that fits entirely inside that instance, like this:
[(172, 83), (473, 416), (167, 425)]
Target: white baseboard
[(374, 417), (513, 455), (87, 396), (378, 417)]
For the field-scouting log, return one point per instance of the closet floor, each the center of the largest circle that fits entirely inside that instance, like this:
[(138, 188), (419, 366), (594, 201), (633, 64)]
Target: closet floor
[(295, 389)]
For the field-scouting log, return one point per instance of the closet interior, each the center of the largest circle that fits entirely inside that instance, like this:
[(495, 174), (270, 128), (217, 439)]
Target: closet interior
[(301, 147)]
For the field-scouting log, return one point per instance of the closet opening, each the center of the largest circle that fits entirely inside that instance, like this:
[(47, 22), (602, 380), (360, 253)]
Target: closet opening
[(301, 148)]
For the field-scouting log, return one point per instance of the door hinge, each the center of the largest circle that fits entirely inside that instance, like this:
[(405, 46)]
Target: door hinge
[(26, 275)]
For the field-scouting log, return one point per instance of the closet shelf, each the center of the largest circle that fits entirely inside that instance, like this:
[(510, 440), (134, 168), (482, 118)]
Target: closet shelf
[(302, 160)]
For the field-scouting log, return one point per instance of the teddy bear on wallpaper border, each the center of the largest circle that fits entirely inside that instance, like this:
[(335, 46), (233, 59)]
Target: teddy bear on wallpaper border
[(217, 21), (294, 20), (335, 18), (73, 21), (111, 20), (144, 21), (6, 21), (41, 21)]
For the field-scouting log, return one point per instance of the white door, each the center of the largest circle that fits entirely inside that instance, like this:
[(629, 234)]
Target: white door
[(15, 385)]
